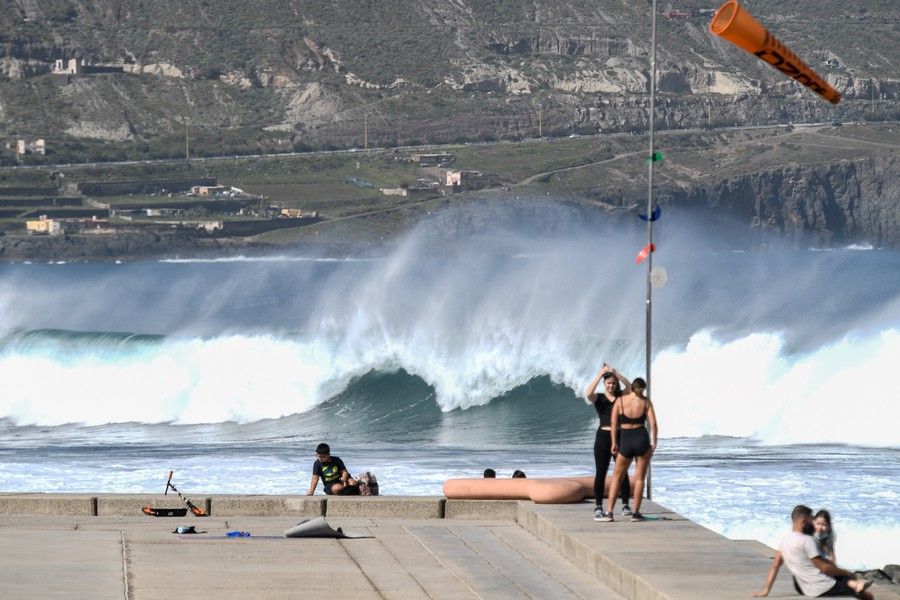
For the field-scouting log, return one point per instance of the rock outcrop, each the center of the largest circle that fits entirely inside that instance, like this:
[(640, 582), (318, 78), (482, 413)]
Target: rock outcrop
[(841, 203)]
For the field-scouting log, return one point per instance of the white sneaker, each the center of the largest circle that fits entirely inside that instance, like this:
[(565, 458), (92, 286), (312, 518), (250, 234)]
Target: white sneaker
[(626, 510), (598, 513)]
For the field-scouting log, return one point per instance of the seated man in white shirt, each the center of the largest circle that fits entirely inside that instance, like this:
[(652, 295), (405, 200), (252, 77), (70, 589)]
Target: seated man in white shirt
[(814, 576)]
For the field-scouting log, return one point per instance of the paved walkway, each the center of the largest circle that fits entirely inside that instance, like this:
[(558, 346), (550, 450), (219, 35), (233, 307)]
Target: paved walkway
[(139, 558), (459, 550)]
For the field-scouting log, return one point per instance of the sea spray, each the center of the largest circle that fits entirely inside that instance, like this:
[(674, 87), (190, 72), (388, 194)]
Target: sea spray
[(239, 367), (752, 332)]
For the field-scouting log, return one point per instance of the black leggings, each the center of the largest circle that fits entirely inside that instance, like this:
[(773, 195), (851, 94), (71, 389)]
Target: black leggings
[(602, 456)]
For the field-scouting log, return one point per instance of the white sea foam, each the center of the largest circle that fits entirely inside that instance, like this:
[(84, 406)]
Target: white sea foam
[(194, 381), (750, 387)]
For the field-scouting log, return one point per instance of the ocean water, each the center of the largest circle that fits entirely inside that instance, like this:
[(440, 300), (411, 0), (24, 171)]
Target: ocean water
[(772, 375)]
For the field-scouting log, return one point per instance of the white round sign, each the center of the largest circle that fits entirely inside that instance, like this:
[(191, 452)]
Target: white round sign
[(658, 277)]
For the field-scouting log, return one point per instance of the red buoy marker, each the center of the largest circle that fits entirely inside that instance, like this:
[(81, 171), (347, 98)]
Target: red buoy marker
[(644, 253)]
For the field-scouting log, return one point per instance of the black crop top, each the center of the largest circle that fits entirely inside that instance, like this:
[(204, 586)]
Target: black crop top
[(625, 419)]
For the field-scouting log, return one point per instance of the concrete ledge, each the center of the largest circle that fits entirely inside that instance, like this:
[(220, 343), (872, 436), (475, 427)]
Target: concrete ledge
[(228, 505), (267, 506), (487, 510), (405, 507), (130, 505), (48, 504)]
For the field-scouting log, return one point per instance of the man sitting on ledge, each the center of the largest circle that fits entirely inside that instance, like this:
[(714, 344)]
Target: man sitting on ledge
[(336, 479), (814, 576)]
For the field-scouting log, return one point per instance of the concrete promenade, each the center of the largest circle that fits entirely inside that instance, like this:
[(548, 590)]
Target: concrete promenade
[(102, 546)]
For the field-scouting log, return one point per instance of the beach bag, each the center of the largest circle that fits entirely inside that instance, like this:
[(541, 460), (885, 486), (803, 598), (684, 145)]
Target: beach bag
[(368, 484)]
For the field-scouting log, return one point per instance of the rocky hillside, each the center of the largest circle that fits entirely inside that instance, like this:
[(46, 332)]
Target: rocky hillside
[(278, 74)]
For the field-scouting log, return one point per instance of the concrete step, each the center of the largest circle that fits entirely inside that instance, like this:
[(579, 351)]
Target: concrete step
[(385, 573), (474, 570), (548, 560), (503, 561), (522, 572), (423, 566)]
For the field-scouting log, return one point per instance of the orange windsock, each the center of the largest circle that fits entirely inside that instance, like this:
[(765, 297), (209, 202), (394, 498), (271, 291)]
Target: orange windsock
[(739, 27)]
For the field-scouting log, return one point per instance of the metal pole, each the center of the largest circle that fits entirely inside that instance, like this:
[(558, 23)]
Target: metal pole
[(650, 209)]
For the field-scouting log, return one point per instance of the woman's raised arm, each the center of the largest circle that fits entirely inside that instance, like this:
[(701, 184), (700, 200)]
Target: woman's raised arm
[(591, 390)]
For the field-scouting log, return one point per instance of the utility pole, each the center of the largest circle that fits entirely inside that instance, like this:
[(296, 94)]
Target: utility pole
[(540, 120), (366, 132), (650, 161), (187, 141)]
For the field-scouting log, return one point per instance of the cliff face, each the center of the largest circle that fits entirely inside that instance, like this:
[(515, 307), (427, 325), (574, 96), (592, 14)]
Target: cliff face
[(842, 203), (824, 205)]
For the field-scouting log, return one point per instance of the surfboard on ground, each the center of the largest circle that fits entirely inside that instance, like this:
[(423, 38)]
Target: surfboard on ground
[(319, 528)]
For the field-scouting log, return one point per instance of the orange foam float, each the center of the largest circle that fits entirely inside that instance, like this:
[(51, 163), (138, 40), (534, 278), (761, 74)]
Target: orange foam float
[(550, 490), (739, 27)]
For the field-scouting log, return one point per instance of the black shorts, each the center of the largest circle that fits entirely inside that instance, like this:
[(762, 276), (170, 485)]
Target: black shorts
[(841, 589), (634, 442), (328, 486), (349, 490)]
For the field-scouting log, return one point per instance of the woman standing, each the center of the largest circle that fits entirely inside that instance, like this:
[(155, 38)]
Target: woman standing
[(603, 403), (631, 415)]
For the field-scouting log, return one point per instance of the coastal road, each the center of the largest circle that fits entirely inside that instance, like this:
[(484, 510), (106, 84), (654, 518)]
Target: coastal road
[(430, 147)]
